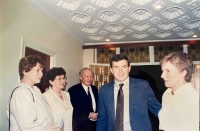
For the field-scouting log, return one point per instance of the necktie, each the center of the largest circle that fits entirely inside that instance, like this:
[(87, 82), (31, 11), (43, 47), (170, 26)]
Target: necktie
[(90, 99), (119, 120)]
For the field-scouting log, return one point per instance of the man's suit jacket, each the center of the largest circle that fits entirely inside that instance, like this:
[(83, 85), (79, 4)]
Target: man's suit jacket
[(82, 108), (141, 98)]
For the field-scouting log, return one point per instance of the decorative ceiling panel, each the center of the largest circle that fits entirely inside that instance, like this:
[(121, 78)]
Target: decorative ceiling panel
[(197, 12), (95, 21), (167, 25), (89, 29), (117, 36), (186, 33), (163, 34), (140, 14), (80, 18), (68, 5), (103, 3), (140, 2), (140, 26), (113, 27), (193, 24), (109, 15), (140, 35), (172, 12)]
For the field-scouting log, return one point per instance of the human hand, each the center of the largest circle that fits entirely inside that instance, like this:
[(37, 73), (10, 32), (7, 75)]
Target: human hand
[(93, 115), (57, 129)]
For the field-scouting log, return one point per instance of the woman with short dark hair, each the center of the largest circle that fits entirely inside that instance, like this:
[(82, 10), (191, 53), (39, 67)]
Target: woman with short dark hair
[(59, 100)]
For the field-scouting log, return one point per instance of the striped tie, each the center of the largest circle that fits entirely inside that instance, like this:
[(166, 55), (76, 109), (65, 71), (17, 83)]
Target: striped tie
[(119, 120)]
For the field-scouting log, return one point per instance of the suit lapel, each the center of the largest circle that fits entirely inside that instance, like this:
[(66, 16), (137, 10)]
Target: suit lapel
[(110, 99), (132, 97)]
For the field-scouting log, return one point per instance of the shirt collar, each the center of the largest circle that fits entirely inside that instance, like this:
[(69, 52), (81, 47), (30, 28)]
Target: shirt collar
[(125, 82), (85, 87), (180, 91)]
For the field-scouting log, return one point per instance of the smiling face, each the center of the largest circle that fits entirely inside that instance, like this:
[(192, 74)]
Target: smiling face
[(33, 76), (86, 77), (58, 83), (172, 77), (120, 70)]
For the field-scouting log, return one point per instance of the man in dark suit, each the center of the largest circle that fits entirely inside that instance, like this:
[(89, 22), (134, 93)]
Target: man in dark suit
[(123, 103), (84, 98)]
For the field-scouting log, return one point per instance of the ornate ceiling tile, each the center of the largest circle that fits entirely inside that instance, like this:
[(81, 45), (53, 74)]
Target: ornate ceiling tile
[(153, 30), (193, 4), (68, 4), (163, 34), (140, 26), (97, 23), (103, 3), (89, 29), (177, 1), (123, 7), (140, 14), (184, 19), (89, 9), (104, 33), (177, 29), (141, 2), (95, 37), (186, 33), (197, 12), (140, 35), (128, 31), (172, 12), (117, 36), (113, 27), (193, 24), (80, 18), (92, 21), (109, 15), (126, 21), (155, 20), (167, 25)]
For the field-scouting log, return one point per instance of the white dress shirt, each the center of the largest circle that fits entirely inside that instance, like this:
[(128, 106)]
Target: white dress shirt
[(125, 89), (180, 110), (62, 109), (92, 96)]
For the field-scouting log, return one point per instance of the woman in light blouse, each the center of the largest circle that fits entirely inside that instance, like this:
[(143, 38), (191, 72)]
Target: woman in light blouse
[(180, 102), (59, 100), (27, 109)]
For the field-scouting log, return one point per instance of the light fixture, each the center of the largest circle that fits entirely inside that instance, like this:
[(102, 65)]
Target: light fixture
[(194, 36), (107, 39), (158, 5)]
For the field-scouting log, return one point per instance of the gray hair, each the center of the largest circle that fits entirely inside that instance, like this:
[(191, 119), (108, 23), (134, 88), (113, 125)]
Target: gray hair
[(85, 68)]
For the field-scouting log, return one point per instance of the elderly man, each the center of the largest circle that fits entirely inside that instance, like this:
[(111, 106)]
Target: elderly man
[(84, 98)]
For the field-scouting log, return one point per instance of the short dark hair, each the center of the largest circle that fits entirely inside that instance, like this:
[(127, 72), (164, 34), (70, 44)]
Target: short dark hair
[(182, 61), (27, 63), (53, 72), (119, 57)]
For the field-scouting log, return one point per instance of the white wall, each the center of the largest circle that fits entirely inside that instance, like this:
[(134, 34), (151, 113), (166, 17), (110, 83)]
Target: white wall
[(20, 18), (88, 57)]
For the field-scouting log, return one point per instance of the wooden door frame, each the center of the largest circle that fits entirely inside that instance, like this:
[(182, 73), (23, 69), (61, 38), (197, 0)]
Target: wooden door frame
[(28, 43)]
